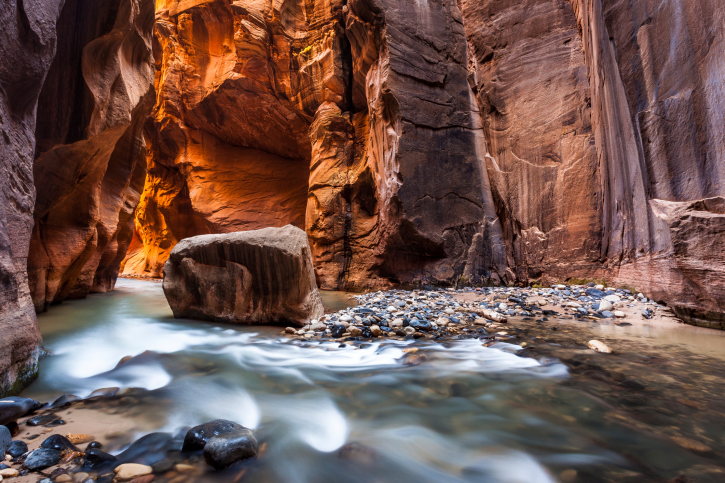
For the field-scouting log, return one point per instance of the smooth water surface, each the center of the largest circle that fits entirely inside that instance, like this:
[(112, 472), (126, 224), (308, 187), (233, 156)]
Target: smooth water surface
[(466, 413)]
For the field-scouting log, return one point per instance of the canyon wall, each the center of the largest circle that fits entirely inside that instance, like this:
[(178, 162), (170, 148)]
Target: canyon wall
[(436, 142), (27, 46), (348, 120), (90, 153), (75, 90)]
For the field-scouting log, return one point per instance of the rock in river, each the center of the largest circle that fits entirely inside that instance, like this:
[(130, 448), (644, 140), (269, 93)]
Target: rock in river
[(197, 437), (250, 277), (223, 450)]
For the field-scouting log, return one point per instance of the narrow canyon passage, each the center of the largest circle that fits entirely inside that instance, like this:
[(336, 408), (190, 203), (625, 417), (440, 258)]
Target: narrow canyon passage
[(471, 240)]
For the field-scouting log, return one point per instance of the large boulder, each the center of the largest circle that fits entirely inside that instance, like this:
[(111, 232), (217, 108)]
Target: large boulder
[(253, 277)]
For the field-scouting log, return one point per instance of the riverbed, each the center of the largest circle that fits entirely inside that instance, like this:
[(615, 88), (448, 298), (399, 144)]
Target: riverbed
[(330, 412)]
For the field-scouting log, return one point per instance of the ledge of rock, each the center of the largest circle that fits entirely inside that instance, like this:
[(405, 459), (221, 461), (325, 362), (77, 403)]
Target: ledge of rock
[(253, 277)]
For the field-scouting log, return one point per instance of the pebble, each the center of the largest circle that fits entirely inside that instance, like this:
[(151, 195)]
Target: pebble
[(79, 438), (95, 457), (605, 305), (129, 471), (376, 331), (64, 478), (618, 313), (355, 331), (9, 472), (599, 346)]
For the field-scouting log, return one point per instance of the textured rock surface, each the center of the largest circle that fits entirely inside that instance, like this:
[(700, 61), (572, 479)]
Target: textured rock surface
[(27, 46), (90, 164), (252, 277), (477, 142)]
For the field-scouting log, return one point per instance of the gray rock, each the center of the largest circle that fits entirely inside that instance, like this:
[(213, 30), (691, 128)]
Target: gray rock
[(17, 448), (42, 458), (226, 449), (6, 440), (250, 277), (12, 408)]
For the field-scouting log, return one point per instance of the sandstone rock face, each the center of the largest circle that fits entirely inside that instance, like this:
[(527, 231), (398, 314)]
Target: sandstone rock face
[(27, 46), (347, 120), (252, 277), (90, 155), (436, 142)]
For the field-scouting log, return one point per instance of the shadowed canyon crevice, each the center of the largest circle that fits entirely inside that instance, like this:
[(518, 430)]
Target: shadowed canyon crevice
[(469, 142)]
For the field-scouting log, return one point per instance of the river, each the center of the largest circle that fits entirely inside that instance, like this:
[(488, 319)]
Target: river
[(331, 413)]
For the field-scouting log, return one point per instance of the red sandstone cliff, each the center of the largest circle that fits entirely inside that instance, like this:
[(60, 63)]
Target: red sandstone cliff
[(90, 155), (27, 46), (433, 142)]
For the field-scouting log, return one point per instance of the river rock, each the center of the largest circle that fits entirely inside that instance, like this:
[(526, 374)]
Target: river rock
[(9, 473), (223, 450), (6, 440), (42, 458), (197, 437), (17, 448), (599, 346), (248, 277), (129, 471), (95, 458), (605, 305), (58, 443), (12, 408)]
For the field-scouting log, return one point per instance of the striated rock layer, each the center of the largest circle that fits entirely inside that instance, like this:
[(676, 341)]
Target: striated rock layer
[(27, 46), (436, 142), (90, 154), (251, 277)]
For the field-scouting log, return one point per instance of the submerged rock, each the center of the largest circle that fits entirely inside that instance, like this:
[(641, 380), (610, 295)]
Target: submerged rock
[(250, 277), (599, 346), (223, 450), (197, 437)]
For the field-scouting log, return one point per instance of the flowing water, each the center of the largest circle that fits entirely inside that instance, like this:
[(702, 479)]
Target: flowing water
[(327, 412)]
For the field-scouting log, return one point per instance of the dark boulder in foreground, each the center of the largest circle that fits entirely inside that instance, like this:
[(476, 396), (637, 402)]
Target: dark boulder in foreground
[(224, 442), (251, 277), (223, 450), (197, 437)]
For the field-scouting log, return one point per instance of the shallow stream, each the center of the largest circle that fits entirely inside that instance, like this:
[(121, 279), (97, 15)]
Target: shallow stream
[(326, 412)]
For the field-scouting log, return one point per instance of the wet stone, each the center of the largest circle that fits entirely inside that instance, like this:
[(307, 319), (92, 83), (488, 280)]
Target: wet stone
[(42, 458), (224, 450), (17, 448), (96, 458), (93, 445), (42, 420), (197, 437), (12, 408), (58, 443)]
